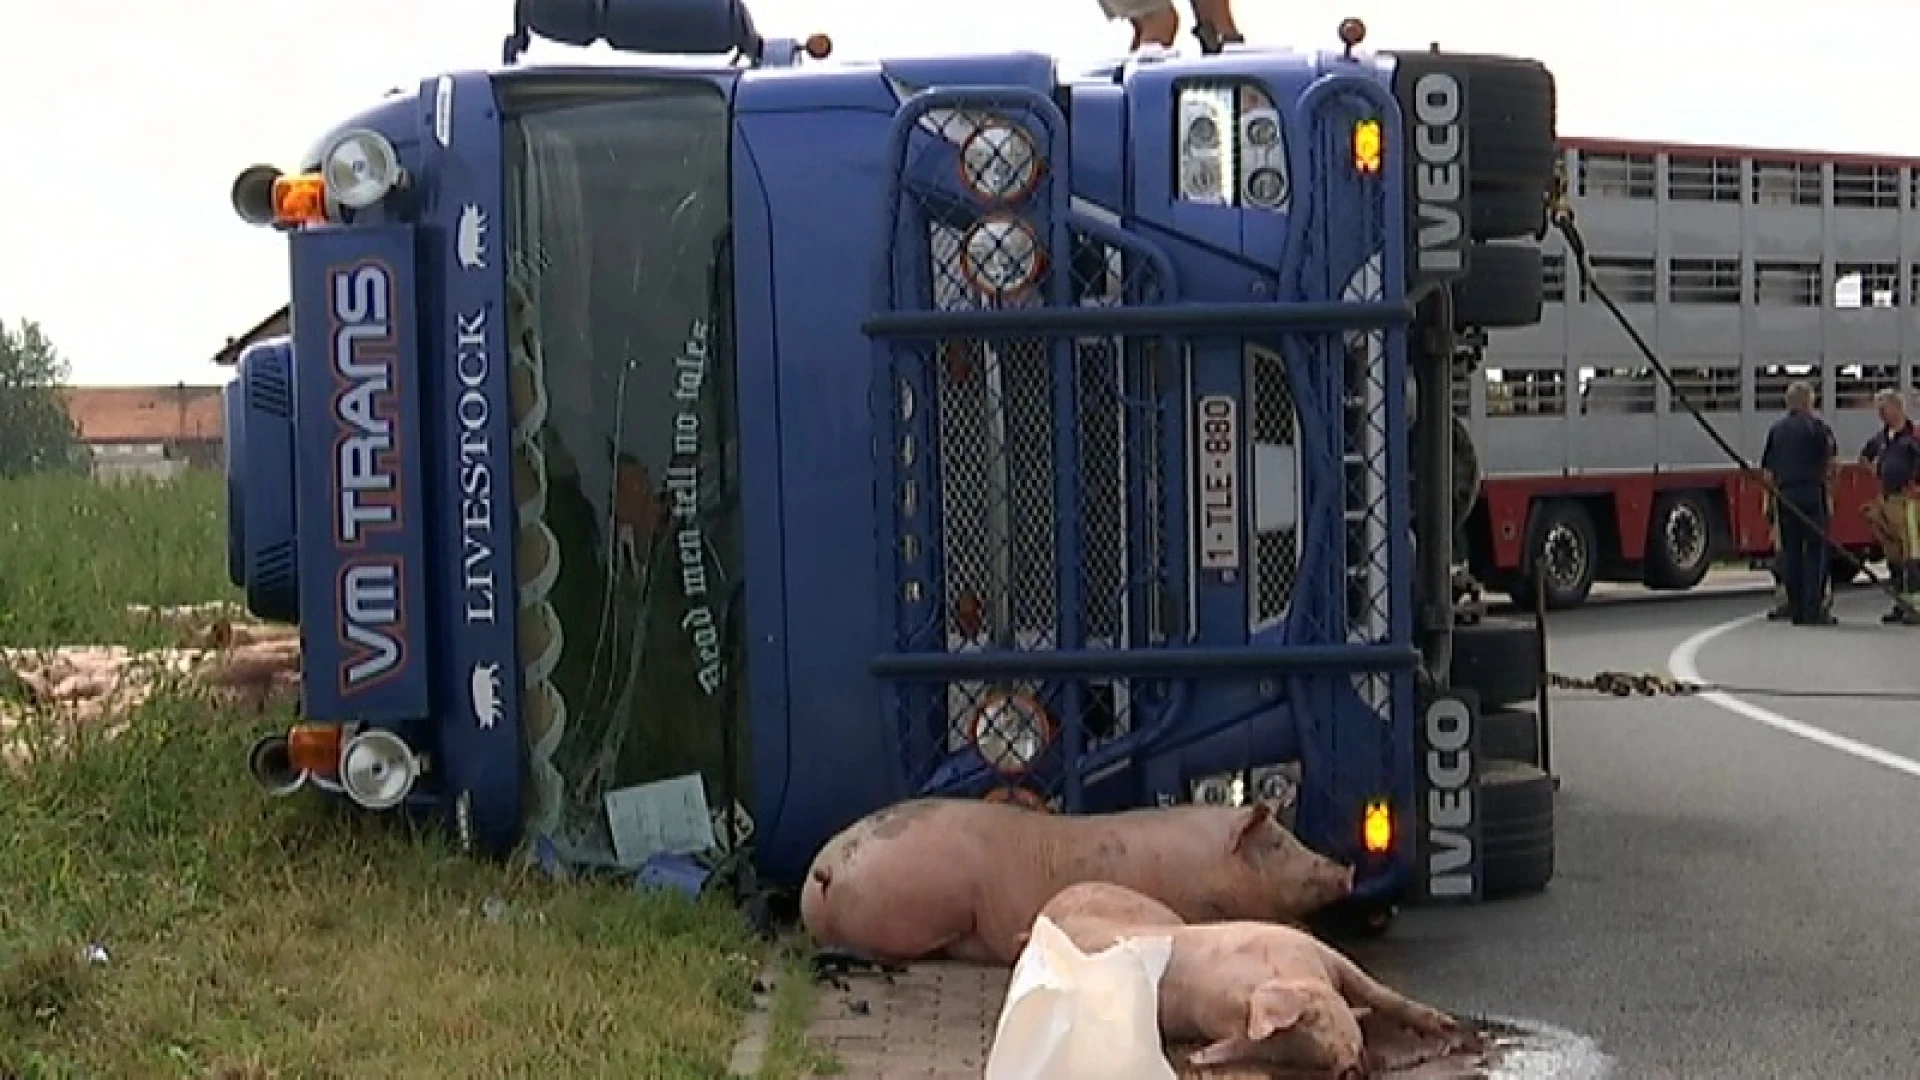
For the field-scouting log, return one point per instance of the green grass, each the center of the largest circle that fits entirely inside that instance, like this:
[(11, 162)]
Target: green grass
[(246, 937)]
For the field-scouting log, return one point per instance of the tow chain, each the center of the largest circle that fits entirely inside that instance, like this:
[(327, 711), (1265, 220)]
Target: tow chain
[(1560, 215), (1626, 684), (1623, 684)]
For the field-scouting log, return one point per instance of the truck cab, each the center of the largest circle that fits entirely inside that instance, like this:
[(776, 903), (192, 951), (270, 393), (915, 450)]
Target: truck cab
[(667, 458)]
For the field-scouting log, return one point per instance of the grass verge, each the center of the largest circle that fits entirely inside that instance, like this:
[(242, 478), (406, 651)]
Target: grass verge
[(160, 917)]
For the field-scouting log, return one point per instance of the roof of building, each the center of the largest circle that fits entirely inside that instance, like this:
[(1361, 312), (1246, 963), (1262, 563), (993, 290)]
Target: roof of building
[(1764, 154), (273, 325), (146, 414)]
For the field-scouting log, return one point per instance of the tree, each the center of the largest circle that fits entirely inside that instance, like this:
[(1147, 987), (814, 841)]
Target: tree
[(36, 430)]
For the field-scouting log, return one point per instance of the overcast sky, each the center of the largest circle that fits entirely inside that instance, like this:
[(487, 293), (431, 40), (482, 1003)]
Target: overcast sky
[(124, 123)]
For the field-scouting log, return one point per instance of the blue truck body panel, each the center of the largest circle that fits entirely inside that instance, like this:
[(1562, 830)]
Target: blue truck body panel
[(954, 506)]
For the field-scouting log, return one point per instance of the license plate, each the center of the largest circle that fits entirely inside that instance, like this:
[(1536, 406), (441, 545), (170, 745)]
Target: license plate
[(1216, 436)]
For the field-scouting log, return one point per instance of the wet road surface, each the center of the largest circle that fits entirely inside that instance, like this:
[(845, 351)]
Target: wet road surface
[(1732, 900)]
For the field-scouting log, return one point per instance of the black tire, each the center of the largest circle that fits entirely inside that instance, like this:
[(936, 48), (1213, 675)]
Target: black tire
[(1680, 541), (1516, 829), (1512, 144), (1510, 735), (1503, 290), (1468, 479), (1499, 660), (1509, 215), (1512, 117), (1563, 549)]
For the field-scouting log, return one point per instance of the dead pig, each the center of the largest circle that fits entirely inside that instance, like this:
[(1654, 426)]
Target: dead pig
[(964, 880), (1254, 992), (1102, 900)]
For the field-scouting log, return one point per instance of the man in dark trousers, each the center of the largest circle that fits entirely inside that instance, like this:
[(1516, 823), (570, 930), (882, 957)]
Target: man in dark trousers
[(1894, 515), (1798, 458)]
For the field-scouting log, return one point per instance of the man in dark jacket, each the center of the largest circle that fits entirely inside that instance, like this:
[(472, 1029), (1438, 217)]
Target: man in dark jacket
[(1894, 514), (1799, 458)]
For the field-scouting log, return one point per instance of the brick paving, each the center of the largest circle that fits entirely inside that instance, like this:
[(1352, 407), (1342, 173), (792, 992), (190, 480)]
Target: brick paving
[(932, 1022), (936, 1021)]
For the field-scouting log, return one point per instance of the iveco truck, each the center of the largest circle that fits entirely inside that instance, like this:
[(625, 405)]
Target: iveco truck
[(685, 456)]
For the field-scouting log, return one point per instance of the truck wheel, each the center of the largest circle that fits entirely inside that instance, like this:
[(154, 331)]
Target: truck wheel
[(1503, 288), (1467, 478), (1499, 660), (1561, 549), (1509, 215), (1510, 734), (1679, 541), (1516, 828), (1512, 144)]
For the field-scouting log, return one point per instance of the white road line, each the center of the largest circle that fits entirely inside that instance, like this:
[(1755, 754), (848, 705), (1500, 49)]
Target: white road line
[(1683, 663)]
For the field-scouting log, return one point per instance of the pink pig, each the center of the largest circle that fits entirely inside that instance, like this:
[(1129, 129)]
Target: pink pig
[(964, 880), (1255, 992)]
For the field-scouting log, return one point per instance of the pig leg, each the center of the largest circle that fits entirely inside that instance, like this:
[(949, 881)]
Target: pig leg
[(1361, 990)]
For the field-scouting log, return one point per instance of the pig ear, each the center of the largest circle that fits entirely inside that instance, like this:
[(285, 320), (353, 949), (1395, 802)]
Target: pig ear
[(1273, 1008), (1251, 822)]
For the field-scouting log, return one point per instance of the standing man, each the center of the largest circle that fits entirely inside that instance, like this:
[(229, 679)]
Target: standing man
[(1894, 515), (1798, 458), (1780, 609)]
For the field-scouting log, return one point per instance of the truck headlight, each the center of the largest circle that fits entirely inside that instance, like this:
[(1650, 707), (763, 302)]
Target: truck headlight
[(999, 163), (1010, 731), (1206, 155), (361, 168), (377, 769), (1001, 256)]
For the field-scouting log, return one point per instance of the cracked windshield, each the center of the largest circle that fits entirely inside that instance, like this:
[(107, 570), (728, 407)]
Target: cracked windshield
[(628, 555)]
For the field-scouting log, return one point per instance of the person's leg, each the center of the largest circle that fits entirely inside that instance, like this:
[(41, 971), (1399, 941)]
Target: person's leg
[(1159, 28), (1904, 511), (1153, 21), (1816, 561), (1777, 564), (1793, 562), (1217, 16)]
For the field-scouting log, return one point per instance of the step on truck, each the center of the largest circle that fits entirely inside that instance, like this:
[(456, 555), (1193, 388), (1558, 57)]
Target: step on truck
[(671, 457)]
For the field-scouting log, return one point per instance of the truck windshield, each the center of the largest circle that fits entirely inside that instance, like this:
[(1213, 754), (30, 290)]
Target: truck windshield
[(627, 549)]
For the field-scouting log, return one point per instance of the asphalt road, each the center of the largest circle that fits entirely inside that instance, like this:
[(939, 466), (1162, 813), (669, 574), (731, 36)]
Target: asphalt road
[(1732, 899)]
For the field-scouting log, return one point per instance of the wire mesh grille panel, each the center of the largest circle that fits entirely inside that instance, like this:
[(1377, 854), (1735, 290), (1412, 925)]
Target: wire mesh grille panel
[(1031, 502), (1277, 478)]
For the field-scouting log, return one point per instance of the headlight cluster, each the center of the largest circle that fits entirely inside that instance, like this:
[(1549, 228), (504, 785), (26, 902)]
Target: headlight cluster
[(359, 169), (1001, 255), (1230, 148)]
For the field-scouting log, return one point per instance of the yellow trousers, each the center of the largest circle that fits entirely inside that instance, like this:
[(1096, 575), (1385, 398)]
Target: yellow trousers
[(1895, 521)]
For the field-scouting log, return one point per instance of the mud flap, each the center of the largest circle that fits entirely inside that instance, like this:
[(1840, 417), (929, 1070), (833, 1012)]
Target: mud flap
[(1448, 866)]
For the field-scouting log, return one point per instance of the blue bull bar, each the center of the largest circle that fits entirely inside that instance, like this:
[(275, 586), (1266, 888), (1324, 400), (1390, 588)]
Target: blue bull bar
[(1073, 657)]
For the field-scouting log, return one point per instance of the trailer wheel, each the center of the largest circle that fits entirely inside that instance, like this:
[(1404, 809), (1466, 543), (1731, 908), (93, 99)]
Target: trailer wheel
[(1679, 541), (1499, 660), (1510, 734), (1516, 829), (1503, 289), (1560, 550)]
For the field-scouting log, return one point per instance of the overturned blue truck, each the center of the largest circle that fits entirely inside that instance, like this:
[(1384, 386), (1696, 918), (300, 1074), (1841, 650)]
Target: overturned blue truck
[(667, 456)]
